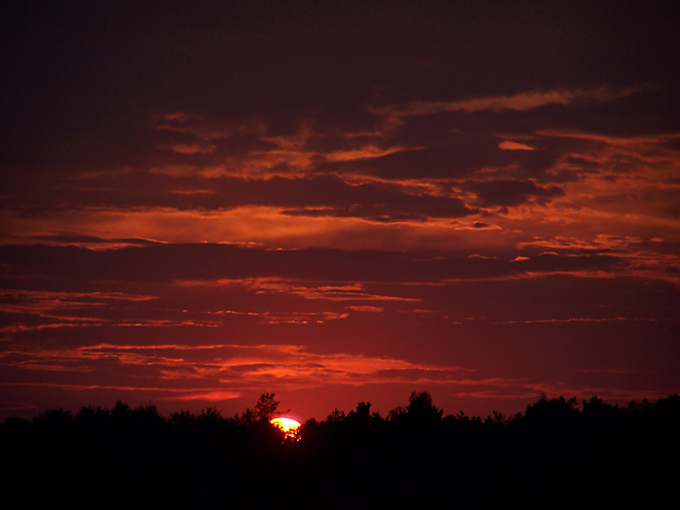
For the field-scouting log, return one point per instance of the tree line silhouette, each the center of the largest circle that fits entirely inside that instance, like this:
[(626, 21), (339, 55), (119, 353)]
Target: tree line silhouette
[(557, 454)]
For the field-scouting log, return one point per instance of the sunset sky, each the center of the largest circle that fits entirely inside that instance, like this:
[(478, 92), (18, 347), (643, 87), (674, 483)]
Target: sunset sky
[(338, 202)]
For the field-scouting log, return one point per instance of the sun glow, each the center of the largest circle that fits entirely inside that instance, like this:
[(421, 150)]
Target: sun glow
[(289, 427)]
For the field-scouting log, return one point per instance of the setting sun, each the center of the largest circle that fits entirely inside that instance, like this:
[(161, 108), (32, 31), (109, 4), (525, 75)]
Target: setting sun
[(288, 426)]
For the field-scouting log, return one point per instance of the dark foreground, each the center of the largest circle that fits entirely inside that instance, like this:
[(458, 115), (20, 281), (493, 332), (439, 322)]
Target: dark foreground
[(555, 455)]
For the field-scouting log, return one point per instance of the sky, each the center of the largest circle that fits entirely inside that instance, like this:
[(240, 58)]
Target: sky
[(337, 202)]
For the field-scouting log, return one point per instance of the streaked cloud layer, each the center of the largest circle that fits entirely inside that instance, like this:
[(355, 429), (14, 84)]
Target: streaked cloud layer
[(338, 203)]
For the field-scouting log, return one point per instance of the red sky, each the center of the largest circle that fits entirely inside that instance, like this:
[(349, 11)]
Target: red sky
[(338, 202)]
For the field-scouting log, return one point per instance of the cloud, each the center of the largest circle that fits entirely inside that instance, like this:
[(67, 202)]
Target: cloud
[(205, 395), (87, 240), (167, 263), (511, 192), (518, 102), (320, 195), (509, 145), (351, 292), (33, 310), (366, 308), (231, 368)]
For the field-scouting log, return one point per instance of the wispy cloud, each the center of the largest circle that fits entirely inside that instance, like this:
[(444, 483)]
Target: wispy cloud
[(229, 367), (509, 145), (518, 102)]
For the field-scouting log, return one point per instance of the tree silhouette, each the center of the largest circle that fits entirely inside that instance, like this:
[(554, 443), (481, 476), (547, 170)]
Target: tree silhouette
[(420, 407), (362, 415), (420, 410), (265, 409), (553, 455)]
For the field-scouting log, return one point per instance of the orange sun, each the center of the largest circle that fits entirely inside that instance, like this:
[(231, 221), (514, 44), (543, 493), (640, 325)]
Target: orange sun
[(288, 426)]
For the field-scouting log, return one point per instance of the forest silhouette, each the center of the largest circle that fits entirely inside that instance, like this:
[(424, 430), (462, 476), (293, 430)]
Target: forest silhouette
[(557, 454)]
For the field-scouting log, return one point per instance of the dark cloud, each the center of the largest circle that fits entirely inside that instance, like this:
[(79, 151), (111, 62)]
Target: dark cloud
[(85, 239), (322, 143), (511, 192), (316, 195), (82, 81), (244, 143), (213, 261), (172, 137)]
